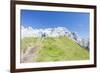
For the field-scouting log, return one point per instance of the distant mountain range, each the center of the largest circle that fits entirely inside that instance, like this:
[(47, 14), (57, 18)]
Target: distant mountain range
[(54, 32)]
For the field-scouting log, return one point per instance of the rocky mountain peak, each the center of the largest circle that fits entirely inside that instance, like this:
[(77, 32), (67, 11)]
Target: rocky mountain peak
[(54, 32)]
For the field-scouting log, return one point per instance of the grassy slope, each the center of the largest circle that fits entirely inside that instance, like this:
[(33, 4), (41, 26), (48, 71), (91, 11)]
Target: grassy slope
[(57, 49)]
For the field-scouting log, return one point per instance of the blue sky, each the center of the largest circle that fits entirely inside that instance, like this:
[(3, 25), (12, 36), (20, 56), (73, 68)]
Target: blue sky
[(74, 21)]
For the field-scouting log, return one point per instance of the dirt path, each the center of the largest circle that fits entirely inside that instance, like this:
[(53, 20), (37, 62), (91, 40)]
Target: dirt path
[(30, 54)]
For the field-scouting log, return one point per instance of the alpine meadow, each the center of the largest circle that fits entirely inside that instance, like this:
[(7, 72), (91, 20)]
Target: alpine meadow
[(49, 36)]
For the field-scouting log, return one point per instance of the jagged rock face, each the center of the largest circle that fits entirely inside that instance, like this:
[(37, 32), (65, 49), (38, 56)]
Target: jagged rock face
[(85, 43), (54, 32)]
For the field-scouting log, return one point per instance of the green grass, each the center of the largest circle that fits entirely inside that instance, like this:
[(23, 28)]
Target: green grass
[(56, 49)]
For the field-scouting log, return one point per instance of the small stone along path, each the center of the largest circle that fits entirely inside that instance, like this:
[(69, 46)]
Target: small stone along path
[(30, 54)]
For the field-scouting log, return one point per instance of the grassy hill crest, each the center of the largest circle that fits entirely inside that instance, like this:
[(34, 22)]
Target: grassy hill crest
[(55, 49)]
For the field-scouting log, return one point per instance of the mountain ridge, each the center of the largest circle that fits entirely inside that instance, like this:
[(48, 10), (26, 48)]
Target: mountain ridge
[(54, 32)]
